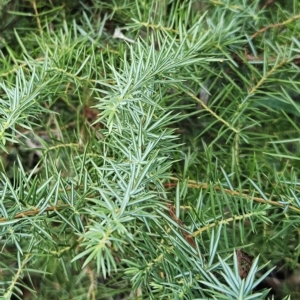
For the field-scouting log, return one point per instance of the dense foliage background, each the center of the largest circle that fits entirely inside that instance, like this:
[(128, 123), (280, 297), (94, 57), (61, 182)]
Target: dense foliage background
[(149, 149)]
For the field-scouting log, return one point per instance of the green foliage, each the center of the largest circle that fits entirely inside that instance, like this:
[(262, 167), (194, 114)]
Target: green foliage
[(149, 149)]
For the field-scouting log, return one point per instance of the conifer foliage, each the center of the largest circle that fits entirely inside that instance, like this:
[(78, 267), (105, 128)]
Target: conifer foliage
[(149, 149)]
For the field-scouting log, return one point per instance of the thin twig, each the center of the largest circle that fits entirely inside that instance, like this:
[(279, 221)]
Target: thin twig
[(37, 18), (232, 193), (274, 26), (212, 112), (35, 212), (9, 291)]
